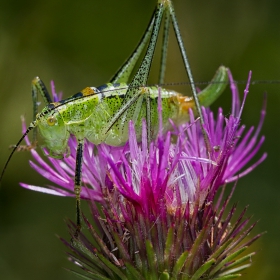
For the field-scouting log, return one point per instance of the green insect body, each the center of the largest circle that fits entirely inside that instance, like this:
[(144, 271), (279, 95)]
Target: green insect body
[(86, 114)]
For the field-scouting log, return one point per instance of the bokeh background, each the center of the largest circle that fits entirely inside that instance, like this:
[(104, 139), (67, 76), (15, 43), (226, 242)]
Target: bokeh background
[(82, 43)]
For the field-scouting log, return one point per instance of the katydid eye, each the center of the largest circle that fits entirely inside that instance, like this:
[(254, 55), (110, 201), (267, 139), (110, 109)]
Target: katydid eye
[(51, 121)]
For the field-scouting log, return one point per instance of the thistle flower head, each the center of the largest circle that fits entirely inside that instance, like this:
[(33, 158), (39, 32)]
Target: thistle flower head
[(154, 206)]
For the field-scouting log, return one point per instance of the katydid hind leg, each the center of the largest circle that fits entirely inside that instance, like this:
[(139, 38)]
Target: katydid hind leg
[(124, 73), (141, 76)]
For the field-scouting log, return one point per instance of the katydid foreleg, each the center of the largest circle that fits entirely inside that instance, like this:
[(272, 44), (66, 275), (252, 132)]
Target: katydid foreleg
[(37, 85)]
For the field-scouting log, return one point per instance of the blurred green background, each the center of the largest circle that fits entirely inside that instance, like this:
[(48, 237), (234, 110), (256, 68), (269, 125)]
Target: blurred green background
[(82, 43)]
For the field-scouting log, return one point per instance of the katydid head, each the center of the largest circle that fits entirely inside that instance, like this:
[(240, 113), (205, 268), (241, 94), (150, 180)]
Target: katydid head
[(53, 131)]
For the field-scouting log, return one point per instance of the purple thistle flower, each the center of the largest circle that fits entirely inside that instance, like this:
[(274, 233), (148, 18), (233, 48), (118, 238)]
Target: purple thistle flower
[(153, 204)]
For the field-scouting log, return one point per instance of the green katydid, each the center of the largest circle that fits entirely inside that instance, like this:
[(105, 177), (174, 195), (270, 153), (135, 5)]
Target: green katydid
[(102, 114)]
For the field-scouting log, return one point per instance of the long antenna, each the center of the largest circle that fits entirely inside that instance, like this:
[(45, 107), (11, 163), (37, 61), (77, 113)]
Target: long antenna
[(31, 126)]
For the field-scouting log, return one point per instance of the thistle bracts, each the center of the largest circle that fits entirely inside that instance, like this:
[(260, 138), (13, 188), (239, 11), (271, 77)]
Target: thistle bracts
[(193, 242)]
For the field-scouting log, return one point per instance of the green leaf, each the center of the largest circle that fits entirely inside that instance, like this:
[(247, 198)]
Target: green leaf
[(241, 260), (221, 249), (112, 267), (195, 248), (93, 276), (203, 269), (94, 265), (121, 247), (226, 260), (152, 263), (234, 270), (132, 272), (168, 246), (227, 277), (179, 265)]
